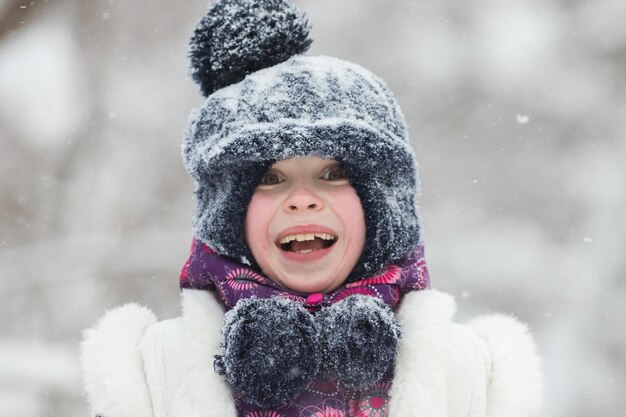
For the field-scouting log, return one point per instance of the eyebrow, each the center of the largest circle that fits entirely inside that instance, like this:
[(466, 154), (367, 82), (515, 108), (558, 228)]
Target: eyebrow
[(325, 166)]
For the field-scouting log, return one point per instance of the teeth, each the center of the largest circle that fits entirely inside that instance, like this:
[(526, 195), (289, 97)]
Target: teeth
[(302, 237)]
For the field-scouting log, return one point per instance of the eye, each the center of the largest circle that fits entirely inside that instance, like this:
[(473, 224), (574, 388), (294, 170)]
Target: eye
[(334, 174), (271, 178)]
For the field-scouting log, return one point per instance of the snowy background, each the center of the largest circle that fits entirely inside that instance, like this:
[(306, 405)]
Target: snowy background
[(516, 108)]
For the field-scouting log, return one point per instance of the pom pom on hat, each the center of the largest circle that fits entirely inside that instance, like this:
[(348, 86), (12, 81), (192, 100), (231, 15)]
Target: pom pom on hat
[(237, 37)]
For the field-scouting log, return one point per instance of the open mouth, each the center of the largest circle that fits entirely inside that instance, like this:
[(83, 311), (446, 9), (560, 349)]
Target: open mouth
[(304, 243)]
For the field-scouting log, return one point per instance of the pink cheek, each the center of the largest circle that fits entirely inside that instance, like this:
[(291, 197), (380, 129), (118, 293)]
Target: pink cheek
[(258, 216), (347, 205)]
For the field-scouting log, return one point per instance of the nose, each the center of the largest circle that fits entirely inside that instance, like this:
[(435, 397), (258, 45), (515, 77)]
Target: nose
[(303, 199)]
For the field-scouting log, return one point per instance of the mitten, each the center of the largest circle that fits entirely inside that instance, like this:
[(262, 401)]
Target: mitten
[(271, 350), (359, 337)]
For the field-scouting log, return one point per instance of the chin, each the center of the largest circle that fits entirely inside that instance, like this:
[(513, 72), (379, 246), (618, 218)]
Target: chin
[(308, 285)]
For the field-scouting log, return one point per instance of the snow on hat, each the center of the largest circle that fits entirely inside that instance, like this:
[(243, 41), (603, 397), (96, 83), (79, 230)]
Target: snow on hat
[(266, 102)]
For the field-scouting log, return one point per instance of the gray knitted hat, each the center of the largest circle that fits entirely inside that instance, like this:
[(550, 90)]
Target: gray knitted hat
[(265, 103)]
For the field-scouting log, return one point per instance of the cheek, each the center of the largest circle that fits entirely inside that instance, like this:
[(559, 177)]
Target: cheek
[(349, 209), (258, 217)]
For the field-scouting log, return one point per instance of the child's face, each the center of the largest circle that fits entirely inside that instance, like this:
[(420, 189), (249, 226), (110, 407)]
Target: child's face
[(305, 225)]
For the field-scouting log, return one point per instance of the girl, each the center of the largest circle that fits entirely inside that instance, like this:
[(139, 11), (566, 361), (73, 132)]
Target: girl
[(306, 292)]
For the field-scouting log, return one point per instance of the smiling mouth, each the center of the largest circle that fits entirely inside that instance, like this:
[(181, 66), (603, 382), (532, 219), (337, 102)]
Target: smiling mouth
[(306, 242)]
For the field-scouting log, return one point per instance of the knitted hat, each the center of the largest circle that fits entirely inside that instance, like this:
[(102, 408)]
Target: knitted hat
[(265, 102)]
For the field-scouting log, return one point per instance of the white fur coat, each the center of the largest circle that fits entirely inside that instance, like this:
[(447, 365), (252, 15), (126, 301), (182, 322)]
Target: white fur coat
[(135, 366)]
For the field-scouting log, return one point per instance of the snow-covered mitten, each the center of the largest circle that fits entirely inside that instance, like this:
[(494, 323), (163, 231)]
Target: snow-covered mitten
[(359, 337), (271, 350)]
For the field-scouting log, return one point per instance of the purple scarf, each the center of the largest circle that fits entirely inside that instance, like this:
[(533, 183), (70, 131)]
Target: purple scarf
[(207, 270)]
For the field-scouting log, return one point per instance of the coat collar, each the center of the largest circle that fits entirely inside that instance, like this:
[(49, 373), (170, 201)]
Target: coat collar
[(204, 393), (419, 386)]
